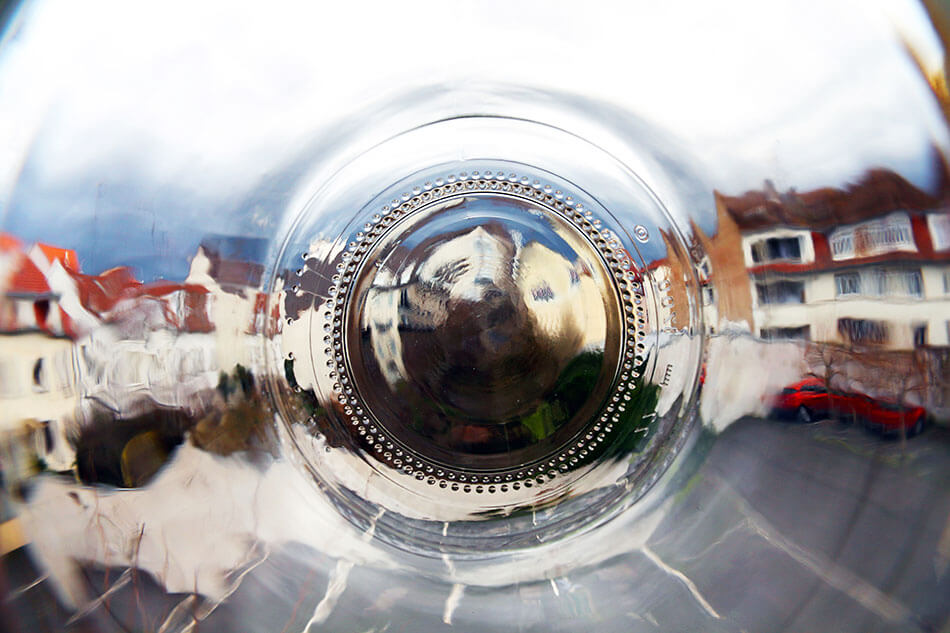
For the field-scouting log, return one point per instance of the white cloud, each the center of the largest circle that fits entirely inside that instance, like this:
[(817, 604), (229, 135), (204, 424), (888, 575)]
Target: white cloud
[(209, 95)]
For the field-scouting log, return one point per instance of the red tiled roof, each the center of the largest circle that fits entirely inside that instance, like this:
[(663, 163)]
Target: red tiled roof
[(879, 191), (27, 279), (100, 293)]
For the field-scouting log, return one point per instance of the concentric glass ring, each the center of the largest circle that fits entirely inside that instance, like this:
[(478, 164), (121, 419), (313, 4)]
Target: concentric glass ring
[(481, 339), (483, 336)]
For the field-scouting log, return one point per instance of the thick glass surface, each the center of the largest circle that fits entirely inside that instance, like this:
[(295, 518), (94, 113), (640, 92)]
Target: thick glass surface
[(475, 317), (478, 333)]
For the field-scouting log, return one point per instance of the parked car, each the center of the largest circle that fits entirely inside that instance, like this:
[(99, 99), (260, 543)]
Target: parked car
[(810, 399), (889, 417)]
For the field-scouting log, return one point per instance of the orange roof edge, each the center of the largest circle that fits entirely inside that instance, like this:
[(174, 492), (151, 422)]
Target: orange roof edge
[(66, 256), (9, 243)]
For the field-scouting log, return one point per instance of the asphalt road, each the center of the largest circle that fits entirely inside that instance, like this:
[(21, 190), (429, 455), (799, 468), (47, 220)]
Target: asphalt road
[(821, 527), (780, 527)]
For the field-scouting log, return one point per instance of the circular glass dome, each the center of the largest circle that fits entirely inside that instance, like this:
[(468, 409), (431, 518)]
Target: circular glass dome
[(479, 340), (457, 341), (474, 317)]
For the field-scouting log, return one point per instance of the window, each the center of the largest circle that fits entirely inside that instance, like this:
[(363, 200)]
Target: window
[(879, 282), (887, 406), (842, 244), (41, 310), (884, 282), (542, 292), (909, 283), (39, 377), (48, 439), (863, 331), (920, 336), (777, 248), (785, 333), (874, 237), (939, 225), (781, 292), (847, 284), (899, 283)]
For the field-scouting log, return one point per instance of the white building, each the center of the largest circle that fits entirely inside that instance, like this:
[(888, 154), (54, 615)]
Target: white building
[(882, 281)]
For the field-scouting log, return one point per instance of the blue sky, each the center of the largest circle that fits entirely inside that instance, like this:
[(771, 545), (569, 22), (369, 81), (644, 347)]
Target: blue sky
[(129, 133)]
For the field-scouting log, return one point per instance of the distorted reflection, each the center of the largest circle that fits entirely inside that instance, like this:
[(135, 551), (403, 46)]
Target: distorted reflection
[(106, 374), (810, 398), (116, 383), (488, 330), (664, 364), (856, 280)]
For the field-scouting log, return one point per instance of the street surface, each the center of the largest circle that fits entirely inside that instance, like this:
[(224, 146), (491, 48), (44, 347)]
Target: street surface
[(782, 527)]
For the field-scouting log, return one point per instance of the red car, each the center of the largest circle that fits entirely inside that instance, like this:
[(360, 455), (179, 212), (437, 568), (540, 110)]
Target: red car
[(889, 417), (809, 400)]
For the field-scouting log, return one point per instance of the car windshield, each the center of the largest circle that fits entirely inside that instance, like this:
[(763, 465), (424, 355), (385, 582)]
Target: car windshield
[(889, 406)]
